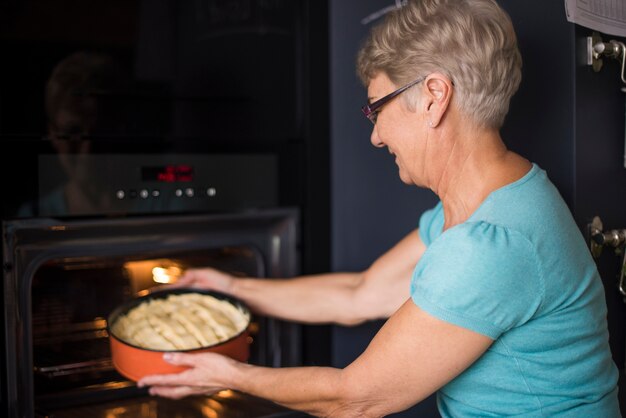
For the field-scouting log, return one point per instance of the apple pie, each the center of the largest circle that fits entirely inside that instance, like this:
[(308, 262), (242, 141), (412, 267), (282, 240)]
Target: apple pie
[(181, 322)]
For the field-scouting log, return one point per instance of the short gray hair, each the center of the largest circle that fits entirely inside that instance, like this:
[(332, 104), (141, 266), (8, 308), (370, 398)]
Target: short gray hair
[(471, 41)]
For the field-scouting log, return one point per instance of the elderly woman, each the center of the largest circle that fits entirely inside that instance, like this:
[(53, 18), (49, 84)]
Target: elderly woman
[(505, 313)]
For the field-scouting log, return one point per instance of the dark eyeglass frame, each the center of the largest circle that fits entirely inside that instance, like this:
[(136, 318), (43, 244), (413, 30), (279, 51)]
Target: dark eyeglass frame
[(371, 110)]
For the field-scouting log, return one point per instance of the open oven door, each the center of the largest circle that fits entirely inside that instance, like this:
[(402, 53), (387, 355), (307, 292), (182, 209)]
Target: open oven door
[(63, 277)]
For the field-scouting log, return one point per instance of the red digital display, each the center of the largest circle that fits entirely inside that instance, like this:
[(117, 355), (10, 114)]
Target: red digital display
[(168, 173)]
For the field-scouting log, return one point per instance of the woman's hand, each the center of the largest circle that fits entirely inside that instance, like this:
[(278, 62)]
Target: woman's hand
[(207, 278), (207, 374)]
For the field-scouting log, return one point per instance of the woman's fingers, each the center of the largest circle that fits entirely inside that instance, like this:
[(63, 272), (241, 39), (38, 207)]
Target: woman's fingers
[(195, 277), (198, 365), (173, 379), (202, 377), (206, 278), (184, 280), (181, 359)]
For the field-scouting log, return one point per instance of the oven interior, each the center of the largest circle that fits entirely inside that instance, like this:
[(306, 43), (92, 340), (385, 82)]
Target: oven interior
[(71, 299)]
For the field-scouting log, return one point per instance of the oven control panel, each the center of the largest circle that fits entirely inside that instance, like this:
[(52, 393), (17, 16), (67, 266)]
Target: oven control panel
[(104, 184)]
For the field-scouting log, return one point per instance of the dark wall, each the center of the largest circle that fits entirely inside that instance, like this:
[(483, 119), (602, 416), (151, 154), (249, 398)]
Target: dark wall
[(540, 124), (565, 117)]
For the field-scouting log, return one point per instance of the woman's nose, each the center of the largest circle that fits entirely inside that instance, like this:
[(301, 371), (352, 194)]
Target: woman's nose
[(375, 139)]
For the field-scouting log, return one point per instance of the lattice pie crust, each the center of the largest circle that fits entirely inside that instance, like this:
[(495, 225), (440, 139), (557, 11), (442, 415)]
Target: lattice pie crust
[(180, 322)]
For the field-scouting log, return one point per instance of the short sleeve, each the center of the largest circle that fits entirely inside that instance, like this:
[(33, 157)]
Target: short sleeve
[(479, 276), (431, 224)]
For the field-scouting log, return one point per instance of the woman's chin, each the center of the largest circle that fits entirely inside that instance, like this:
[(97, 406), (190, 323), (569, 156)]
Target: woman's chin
[(405, 178)]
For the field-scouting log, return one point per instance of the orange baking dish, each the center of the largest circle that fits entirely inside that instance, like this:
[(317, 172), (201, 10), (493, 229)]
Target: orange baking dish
[(135, 362)]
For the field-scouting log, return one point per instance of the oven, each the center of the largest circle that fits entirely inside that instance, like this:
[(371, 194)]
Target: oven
[(141, 138), (65, 272)]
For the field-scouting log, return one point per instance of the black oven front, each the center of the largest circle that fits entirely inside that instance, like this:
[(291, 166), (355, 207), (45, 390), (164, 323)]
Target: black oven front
[(142, 135)]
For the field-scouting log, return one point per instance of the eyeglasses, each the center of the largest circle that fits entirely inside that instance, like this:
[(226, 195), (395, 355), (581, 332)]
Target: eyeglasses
[(371, 110)]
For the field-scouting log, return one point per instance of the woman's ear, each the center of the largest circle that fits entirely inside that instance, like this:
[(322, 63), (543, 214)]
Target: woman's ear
[(438, 93)]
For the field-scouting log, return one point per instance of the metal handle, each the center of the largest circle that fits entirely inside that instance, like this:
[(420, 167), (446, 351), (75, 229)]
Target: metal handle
[(599, 238), (622, 275), (615, 238), (598, 49)]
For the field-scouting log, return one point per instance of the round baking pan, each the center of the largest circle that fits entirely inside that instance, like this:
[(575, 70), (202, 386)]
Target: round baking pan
[(134, 362)]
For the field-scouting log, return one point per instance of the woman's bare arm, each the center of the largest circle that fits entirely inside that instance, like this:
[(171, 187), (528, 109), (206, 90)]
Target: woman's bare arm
[(344, 298), (412, 356)]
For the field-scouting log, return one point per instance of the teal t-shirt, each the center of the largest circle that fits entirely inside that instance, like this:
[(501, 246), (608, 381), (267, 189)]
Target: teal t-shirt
[(519, 271)]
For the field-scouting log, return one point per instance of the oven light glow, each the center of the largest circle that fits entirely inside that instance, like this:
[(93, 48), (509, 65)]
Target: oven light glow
[(209, 412), (166, 274), (226, 393), (215, 406), (116, 412)]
